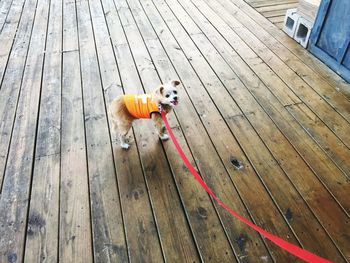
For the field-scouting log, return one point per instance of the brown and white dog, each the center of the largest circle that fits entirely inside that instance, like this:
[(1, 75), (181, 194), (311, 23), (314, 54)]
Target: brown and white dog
[(125, 109)]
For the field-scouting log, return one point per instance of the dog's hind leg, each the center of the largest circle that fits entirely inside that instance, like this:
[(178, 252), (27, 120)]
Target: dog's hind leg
[(123, 130), (114, 125), (113, 120)]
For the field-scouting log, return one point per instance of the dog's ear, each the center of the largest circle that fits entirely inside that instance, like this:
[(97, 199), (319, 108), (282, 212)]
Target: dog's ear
[(175, 83), (160, 90)]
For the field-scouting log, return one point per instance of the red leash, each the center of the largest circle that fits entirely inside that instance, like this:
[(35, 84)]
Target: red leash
[(293, 249)]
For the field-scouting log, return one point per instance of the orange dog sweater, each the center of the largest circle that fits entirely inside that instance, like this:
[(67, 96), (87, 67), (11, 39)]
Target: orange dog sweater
[(140, 106)]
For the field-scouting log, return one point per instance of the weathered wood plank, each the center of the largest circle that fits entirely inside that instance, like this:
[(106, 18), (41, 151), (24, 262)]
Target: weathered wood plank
[(334, 115), (295, 208), (273, 3), (309, 151), (269, 14), (276, 7), (5, 7), (137, 210), (325, 111), (208, 77), (280, 25), (270, 1), (42, 230), (75, 237), (18, 174), (277, 38), (189, 76), (277, 19), (75, 227), (292, 70), (335, 149), (312, 190), (11, 85), (70, 28), (224, 146), (107, 223), (248, 61), (177, 242), (211, 223), (270, 104), (249, 92), (237, 95), (247, 104), (8, 33)]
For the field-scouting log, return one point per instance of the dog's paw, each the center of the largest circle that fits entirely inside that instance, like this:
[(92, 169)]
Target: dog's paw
[(125, 146), (164, 137)]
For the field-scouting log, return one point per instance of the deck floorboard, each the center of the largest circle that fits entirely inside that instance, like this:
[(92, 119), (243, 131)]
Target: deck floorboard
[(69, 193), (273, 10)]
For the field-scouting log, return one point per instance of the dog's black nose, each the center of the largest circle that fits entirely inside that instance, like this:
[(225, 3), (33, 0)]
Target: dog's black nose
[(175, 98)]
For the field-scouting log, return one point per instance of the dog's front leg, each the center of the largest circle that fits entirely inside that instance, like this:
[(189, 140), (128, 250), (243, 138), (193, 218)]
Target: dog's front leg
[(160, 126)]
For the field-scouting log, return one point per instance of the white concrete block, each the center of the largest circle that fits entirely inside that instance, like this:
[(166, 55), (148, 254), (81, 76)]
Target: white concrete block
[(290, 21), (303, 31)]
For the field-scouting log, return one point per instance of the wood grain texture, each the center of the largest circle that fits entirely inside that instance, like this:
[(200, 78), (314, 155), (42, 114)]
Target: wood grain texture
[(238, 95), (186, 74), (18, 174), (42, 230), (8, 31), (201, 213), (75, 237), (262, 25), (273, 10), (135, 200), (5, 7), (249, 95), (11, 82), (302, 74), (107, 224), (177, 245)]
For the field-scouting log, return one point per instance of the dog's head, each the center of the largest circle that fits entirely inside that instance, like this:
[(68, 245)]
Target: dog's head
[(167, 94)]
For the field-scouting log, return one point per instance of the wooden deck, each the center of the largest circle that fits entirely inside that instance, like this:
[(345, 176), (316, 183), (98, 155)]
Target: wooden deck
[(273, 10), (70, 194)]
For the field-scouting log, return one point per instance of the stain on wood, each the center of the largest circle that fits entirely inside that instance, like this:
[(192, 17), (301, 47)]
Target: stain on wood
[(236, 163), (289, 214), (264, 123)]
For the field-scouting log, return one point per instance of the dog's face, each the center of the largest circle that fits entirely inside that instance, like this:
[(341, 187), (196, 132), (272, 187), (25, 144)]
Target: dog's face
[(167, 94)]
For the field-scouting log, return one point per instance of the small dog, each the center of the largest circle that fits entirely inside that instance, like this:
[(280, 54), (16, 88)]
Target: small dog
[(126, 108)]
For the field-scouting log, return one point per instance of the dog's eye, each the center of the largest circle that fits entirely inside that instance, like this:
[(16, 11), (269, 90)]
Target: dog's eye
[(167, 96), (175, 92)]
